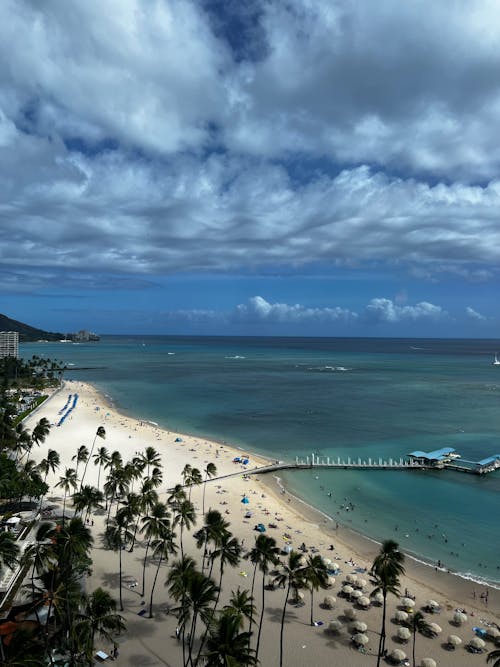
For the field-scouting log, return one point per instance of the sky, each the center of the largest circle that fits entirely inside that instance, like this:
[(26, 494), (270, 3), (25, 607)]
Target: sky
[(268, 167)]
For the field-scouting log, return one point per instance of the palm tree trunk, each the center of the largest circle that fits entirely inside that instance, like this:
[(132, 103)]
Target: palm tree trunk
[(120, 570), (251, 595), (283, 624), (153, 588), (144, 569), (261, 616), (381, 642), (312, 604), (414, 637)]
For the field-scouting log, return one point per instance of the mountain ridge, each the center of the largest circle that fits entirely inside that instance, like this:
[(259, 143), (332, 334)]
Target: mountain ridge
[(26, 332)]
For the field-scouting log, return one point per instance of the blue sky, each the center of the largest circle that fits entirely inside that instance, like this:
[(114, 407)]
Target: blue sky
[(277, 168)]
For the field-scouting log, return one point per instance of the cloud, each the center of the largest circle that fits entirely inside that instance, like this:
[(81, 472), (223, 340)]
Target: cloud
[(474, 315), (258, 309), (384, 310)]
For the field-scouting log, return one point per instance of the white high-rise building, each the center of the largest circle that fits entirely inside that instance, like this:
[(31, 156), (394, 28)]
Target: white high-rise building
[(9, 344)]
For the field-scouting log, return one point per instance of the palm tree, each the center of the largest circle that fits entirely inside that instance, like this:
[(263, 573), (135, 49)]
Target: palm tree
[(116, 485), (81, 456), (195, 478), (417, 623), (386, 570), (152, 525), (184, 516), (241, 605), (316, 575), (50, 463), (100, 433), (291, 577), (163, 547), (211, 532), (494, 655), (263, 555), (178, 582), (200, 596), (67, 482), (88, 498), (41, 552), (101, 457), (41, 431), (227, 646), (117, 535), (210, 471), (9, 550), (99, 617), (150, 457)]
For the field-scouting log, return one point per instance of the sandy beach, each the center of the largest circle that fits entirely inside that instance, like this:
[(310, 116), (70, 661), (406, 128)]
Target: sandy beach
[(152, 642)]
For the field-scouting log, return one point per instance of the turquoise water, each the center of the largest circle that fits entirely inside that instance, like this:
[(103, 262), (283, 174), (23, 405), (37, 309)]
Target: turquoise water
[(335, 397)]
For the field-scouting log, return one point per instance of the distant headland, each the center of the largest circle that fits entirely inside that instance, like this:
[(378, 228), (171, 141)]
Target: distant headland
[(28, 334)]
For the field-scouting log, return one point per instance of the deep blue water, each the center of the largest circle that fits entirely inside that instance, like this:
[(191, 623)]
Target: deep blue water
[(288, 397)]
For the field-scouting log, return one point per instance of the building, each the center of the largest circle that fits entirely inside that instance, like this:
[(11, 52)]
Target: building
[(9, 344), (84, 336)]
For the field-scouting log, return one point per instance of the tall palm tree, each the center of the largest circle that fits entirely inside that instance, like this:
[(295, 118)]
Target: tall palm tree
[(163, 546), (291, 577), (152, 525), (40, 553), (241, 605), (100, 433), (81, 456), (116, 486), (88, 498), (9, 550), (211, 532), (386, 569), (178, 582), (151, 457), (117, 534), (184, 516), (50, 463), (101, 457), (227, 646), (99, 617), (67, 482), (417, 623), (41, 431), (210, 471), (200, 596), (132, 508), (194, 479), (316, 576)]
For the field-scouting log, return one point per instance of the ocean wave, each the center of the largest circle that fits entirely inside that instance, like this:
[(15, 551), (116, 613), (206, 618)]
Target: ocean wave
[(329, 369), (236, 356)]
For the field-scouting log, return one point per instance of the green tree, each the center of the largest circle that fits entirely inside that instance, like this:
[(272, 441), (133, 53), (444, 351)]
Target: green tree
[(9, 550), (100, 433), (241, 605), (163, 546), (152, 526), (315, 574), (101, 458), (417, 623), (210, 471), (81, 456), (184, 516), (290, 577), (227, 646), (98, 617), (67, 482), (116, 535), (386, 570)]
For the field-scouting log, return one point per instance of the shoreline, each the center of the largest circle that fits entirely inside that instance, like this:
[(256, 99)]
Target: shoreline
[(308, 510), (296, 523)]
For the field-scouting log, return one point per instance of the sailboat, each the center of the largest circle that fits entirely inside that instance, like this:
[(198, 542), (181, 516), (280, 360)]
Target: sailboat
[(497, 361)]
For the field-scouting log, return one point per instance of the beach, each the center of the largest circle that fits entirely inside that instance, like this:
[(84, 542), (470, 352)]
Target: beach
[(153, 642)]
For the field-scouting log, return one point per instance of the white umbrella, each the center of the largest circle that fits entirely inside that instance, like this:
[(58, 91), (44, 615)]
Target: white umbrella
[(331, 581), (454, 640), (401, 616), (435, 628), (363, 601), (335, 626), (351, 578), (408, 602), (359, 626), (361, 583), (360, 639), (477, 642), (428, 662), (329, 601), (347, 589), (327, 561), (356, 594), (459, 618), (350, 613), (493, 632), (398, 655), (404, 634), (378, 598)]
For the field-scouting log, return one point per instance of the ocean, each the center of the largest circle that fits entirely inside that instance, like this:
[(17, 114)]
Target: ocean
[(288, 397)]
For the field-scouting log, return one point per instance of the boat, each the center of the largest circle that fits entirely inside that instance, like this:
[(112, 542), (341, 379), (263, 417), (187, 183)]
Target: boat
[(496, 362)]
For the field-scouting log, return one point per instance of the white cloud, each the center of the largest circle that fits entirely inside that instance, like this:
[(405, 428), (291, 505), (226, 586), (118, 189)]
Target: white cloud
[(474, 315), (385, 310), (258, 309)]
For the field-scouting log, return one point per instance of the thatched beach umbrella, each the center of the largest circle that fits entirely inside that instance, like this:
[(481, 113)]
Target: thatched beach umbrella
[(364, 602), (350, 613), (347, 590), (400, 616), (331, 582), (407, 602), (351, 578), (404, 634), (326, 561), (398, 655), (435, 628), (378, 598), (459, 617), (432, 606), (493, 632), (335, 626), (355, 595), (454, 640), (428, 662), (359, 626), (360, 583), (329, 601), (360, 639), (477, 642)]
